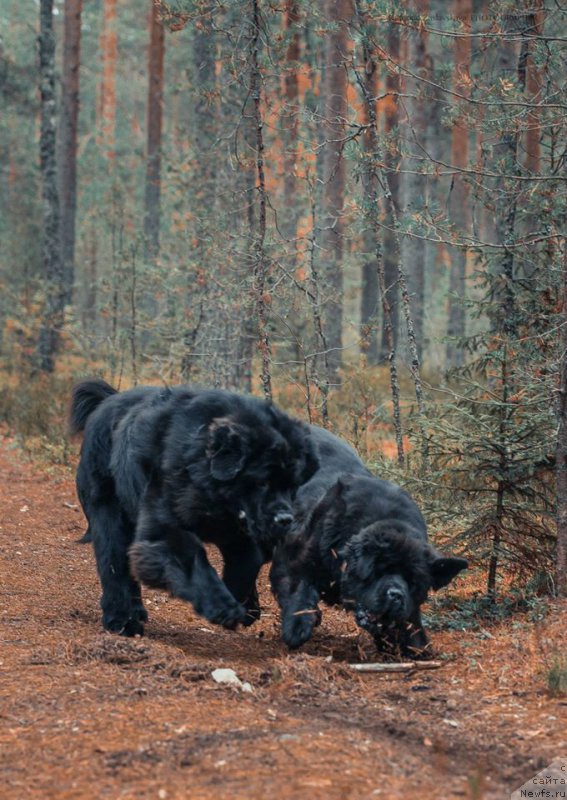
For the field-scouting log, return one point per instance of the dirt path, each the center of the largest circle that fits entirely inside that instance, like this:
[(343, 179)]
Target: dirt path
[(84, 714)]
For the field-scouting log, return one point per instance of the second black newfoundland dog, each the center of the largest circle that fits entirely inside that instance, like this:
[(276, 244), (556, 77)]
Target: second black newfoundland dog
[(163, 470), (360, 542)]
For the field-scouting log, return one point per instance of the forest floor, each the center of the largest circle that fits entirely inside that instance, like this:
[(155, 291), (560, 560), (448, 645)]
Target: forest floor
[(85, 714)]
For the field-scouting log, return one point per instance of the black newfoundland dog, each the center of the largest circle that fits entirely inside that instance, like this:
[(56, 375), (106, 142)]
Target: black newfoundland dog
[(360, 542), (163, 470)]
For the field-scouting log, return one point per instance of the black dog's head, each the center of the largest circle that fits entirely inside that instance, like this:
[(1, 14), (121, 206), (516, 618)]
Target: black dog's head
[(388, 573), (257, 457)]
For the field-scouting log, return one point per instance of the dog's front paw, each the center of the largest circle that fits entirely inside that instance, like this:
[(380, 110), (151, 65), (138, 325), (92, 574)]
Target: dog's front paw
[(297, 627), (228, 613), (130, 627), (140, 614), (418, 647), (230, 618)]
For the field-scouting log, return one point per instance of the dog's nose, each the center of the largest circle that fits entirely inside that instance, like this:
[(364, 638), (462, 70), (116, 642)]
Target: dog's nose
[(283, 518), (395, 596)]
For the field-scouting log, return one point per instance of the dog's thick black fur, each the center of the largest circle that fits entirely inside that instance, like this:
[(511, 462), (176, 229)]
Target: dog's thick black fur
[(360, 542), (163, 470)]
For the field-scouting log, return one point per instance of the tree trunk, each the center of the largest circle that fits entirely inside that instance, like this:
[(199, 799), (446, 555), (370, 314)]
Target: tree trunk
[(532, 161), (202, 203), (374, 181), (561, 447), (260, 260), (391, 161), (89, 287), (291, 116), (412, 190), (333, 174), (52, 267), (370, 293), (507, 192), (68, 144), (534, 87), (107, 97), (459, 202), (154, 126)]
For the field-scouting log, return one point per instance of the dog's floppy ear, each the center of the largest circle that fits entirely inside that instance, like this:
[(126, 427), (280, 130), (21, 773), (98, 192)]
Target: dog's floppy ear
[(444, 568), (226, 449)]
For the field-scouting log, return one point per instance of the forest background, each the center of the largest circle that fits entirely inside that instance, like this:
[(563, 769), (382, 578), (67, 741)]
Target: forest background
[(354, 208)]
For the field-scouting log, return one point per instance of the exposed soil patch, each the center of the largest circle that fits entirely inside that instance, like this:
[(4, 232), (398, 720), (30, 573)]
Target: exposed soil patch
[(85, 714)]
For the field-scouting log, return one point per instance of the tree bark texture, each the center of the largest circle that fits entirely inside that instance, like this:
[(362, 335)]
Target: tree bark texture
[(509, 66), (391, 162), (154, 130), (260, 263), (561, 447), (52, 268), (372, 242), (291, 119), (534, 88), (375, 182), (412, 189), (333, 174), (459, 200), (68, 134), (107, 96)]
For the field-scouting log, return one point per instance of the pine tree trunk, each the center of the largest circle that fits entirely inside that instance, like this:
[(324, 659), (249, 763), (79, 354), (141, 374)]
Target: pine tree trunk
[(375, 182), (534, 87), (89, 287), (370, 295), (68, 144), (561, 448), (154, 127), (107, 92), (391, 161), (260, 260), (412, 190), (205, 123), (459, 202), (291, 117), (507, 192), (333, 174), (52, 267)]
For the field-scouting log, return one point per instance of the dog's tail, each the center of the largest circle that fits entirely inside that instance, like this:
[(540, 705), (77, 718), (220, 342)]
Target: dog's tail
[(86, 397)]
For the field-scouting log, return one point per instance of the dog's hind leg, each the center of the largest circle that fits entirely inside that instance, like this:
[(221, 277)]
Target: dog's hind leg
[(300, 614), (122, 608), (242, 563)]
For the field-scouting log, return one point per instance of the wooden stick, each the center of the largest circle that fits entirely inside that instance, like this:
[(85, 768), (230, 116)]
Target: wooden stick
[(402, 666)]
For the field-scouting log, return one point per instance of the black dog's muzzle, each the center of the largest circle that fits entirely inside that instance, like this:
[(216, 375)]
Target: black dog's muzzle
[(283, 519), (395, 602)]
